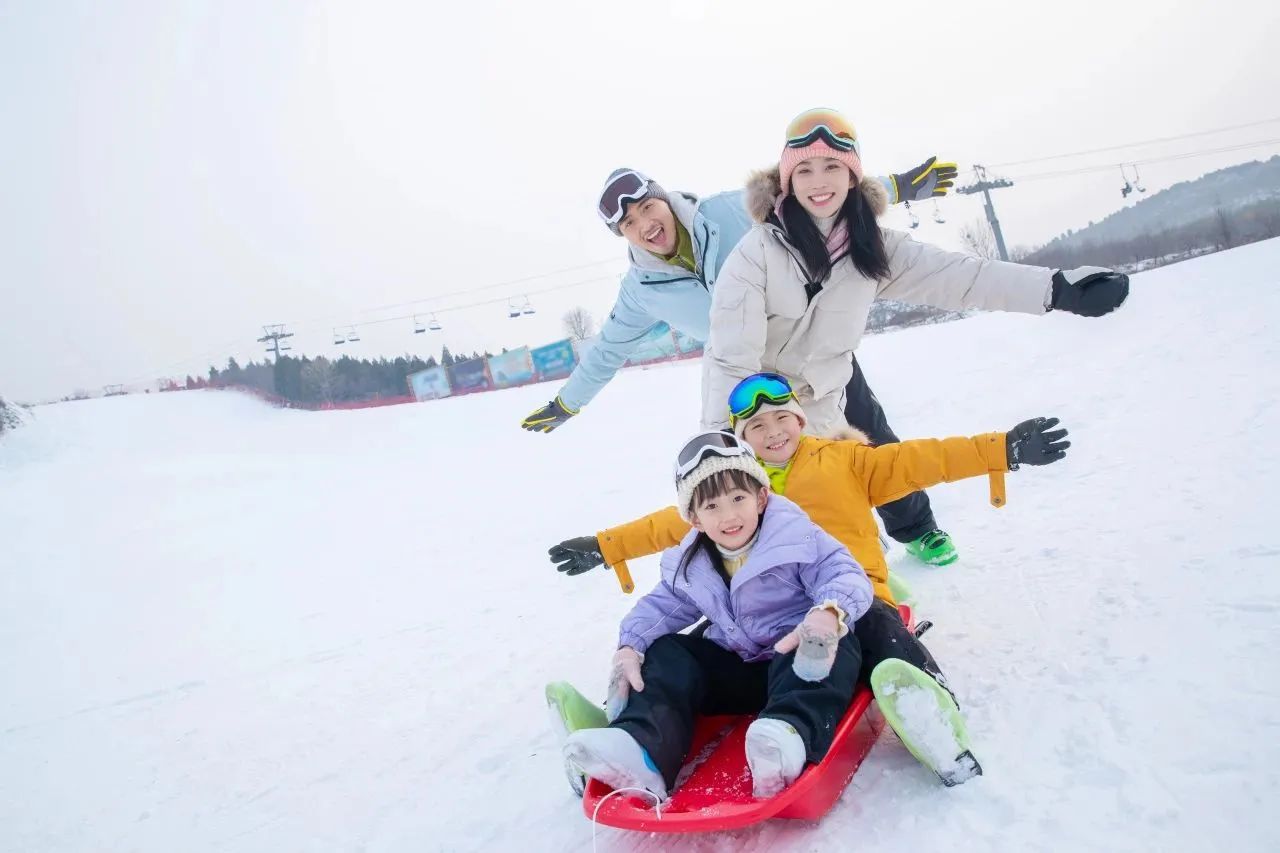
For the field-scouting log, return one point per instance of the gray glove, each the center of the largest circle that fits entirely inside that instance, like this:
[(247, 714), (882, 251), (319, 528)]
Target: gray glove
[(548, 417), (575, 556), (930, 179), (1089, 291)]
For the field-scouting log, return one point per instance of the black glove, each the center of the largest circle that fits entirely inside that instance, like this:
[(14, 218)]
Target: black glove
[(549, 417), (928, 180), (1089, 291), (1032, 443), (575, 556)]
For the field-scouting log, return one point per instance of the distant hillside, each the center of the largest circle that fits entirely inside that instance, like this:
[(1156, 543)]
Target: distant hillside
[(12, 415), (1229, 207)]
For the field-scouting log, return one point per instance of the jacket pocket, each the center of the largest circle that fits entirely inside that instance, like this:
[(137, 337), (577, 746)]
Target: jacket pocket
[(785, 298)]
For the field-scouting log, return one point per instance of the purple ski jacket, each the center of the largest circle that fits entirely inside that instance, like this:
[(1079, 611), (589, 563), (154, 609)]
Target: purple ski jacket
[(793, 566)]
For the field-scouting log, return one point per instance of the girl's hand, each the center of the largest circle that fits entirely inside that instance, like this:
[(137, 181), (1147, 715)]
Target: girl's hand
[(814, 641), (623, 678)]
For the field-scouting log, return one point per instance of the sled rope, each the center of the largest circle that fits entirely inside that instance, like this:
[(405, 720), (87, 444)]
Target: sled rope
[(657, 807)]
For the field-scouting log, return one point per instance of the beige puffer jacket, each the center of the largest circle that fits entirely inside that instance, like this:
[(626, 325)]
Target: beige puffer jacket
[(760, 320)]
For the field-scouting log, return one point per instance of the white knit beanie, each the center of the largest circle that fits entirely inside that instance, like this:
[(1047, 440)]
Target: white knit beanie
[(709, 467), (740, 428)]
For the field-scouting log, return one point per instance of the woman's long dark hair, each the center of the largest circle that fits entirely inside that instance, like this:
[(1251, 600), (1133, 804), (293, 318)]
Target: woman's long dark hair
[(866, 243)]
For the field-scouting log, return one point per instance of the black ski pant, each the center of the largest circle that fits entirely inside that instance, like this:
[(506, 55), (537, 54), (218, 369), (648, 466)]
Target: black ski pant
[(685, 676), (882, 635), (906, 518)]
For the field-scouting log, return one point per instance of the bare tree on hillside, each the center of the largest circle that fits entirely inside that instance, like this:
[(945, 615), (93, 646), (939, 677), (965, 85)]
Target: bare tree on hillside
[(319, 378), (1224, 233), (977, 239), (578, 323)]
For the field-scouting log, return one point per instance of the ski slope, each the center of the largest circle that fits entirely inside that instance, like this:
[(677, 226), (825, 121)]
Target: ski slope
[(227, 627)]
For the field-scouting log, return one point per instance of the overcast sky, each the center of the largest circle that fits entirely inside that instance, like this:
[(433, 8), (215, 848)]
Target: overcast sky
[(177, 174)]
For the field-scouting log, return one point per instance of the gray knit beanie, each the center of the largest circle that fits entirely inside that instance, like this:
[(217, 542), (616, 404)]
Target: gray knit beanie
[(652, 190)]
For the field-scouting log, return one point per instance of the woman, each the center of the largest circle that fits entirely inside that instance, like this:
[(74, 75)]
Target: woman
[(793, 297)]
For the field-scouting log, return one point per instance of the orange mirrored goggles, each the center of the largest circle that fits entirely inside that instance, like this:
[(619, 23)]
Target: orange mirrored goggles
[(827, 125)]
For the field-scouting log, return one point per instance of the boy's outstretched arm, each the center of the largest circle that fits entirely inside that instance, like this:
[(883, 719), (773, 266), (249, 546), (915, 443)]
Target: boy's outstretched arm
[(613, 546), (893, 471)]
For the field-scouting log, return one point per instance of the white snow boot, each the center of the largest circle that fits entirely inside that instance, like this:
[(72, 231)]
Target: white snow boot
[(613, 756), (775, 754)]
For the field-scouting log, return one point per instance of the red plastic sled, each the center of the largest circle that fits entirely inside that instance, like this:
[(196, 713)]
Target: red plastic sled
[(717, 793)]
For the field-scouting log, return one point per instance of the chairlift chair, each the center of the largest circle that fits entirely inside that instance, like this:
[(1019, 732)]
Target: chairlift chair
[(915, 220), (937, 214), (528, 307), (1127, 188), (513, 310), (1137, 180), (418, 328), (434, 325), (337, 338), (351, 334)]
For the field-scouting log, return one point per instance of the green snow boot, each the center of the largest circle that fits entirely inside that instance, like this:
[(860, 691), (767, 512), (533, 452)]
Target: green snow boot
[(571, 711), (899, 590), (934, 548), (926, 719)]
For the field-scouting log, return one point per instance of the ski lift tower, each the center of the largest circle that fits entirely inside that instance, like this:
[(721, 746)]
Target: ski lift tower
[(984, 185), (271, 336)]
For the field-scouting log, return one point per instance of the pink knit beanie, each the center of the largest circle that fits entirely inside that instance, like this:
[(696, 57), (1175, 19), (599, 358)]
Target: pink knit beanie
[(792, 157)]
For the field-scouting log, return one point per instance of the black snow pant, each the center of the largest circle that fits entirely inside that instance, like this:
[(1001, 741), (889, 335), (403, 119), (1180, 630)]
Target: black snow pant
[(685, 676), (881, 635), (906, 518)]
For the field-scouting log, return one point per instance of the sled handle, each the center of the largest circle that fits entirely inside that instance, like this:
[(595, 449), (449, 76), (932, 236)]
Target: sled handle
[(624, 576)]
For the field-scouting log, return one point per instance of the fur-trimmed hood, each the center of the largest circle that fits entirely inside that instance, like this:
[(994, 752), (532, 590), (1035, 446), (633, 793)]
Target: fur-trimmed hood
[(847, 432), (765, 186)]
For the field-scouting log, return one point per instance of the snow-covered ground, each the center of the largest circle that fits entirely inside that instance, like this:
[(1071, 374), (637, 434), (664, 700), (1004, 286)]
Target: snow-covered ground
[(230, 627)]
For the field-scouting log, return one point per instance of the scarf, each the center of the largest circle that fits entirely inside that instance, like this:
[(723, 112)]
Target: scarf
[(837, 240)]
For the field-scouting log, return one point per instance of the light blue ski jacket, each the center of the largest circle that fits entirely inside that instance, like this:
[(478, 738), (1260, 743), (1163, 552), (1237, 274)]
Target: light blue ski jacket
[(655, 291)]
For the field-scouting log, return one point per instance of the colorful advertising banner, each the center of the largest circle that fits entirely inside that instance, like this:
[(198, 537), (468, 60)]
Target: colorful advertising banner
[(554, 361), (657, 343), (511, 368), (469, 376), (429, 384)]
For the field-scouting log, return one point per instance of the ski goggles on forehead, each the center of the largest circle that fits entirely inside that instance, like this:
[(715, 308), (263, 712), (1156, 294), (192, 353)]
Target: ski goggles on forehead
[(626, 187), (750, 394), (708, 444), (826, 125)]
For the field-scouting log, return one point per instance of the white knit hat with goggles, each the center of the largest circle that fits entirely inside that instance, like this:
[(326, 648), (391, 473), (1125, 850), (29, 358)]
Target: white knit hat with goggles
[(708, 454)]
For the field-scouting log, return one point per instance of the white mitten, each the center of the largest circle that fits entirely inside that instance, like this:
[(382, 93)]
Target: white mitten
[(814, 641), (623, 677)]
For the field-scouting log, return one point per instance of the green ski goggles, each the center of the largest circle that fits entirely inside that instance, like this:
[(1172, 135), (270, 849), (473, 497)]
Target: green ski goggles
[(751, 393)]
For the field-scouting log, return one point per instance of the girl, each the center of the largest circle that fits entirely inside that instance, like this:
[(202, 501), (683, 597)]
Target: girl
[(780, 596), (793, 297)]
